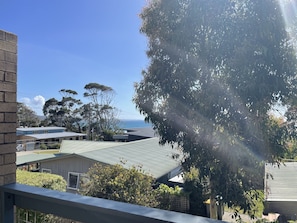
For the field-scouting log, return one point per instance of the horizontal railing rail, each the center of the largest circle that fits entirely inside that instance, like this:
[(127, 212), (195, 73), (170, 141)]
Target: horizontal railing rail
[(84, 209)]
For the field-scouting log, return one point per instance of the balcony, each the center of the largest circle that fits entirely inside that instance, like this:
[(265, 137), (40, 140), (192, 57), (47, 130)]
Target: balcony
[(82, 208)]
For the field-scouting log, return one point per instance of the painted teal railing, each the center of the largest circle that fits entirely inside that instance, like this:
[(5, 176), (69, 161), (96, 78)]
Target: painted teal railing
[(82, 208)]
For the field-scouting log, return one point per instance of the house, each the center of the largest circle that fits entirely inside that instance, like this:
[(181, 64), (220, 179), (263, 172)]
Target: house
[(76, 157), (32, 138), (280, 189), (133, 134)]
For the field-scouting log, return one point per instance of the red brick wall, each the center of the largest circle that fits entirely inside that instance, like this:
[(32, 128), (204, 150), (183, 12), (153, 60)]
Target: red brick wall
[(8, 107)]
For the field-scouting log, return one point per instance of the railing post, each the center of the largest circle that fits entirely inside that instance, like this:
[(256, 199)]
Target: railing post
[(7, 207), (8, 118)]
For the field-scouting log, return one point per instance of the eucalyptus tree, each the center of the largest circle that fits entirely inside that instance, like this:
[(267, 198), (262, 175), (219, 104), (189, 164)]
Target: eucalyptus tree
[(100, 108), (26, 116), (64, 113), (215, 70)]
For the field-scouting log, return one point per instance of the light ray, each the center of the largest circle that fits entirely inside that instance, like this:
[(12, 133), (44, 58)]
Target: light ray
[(289, 13)]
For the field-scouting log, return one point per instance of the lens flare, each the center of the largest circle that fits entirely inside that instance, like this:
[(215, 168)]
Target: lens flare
[(289, 13)]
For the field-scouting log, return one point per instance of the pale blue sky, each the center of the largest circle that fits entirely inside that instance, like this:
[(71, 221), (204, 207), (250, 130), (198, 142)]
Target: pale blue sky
[(66, 44)]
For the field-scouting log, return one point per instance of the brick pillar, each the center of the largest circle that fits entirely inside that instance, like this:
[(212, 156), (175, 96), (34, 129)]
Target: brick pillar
[(8, 107)]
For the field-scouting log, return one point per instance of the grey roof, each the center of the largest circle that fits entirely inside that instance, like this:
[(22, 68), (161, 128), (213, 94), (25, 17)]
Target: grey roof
[(40, 128), (281, 182), (77, 146), (30, 157), (148, 132), (153, 158), (55, 135)]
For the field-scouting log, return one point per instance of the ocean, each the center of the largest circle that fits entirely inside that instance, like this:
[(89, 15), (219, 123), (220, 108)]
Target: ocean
[(129, 124)]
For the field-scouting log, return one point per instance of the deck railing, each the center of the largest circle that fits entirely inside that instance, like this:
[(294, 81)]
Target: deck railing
[(82, 208)]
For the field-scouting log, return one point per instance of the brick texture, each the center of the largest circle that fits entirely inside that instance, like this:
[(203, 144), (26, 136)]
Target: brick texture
[(10, 138), (9, 117), (2, 75), (10, 97), (10, 77), (7, 86), (10, 158), (7, 169), (7, 127), (1, 138), (8, 107), (7, 148)]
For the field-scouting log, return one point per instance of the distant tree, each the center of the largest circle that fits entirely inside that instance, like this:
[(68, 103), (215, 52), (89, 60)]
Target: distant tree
[(26, 116), (216, 69), (100, 109), (63, 113), (120, 184), (86, 114)]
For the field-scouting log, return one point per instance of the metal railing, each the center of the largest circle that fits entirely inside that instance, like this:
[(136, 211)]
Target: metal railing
[(82, 208)]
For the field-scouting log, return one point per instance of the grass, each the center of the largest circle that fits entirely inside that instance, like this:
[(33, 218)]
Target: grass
[(48, 151)]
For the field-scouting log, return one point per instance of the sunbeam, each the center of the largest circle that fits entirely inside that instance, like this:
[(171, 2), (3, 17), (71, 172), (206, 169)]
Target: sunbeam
[(289, 13)]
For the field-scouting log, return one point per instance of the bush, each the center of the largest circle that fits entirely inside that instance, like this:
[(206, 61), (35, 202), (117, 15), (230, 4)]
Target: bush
[(45, 180), (172, 198), (120, 184), (43, 146)]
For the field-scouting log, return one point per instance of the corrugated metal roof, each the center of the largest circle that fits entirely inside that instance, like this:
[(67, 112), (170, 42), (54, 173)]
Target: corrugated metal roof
[(77, 146), (33, 157), (148, 132), (153, 158), (40, 128), (281, 182), (55, 135)]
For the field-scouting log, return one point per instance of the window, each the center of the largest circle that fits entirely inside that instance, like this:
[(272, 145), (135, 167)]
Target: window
[(44, 170), (73, 180)]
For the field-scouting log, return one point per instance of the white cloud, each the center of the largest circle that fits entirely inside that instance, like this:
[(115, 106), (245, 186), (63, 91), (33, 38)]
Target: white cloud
[(38, 100), (36, 103)]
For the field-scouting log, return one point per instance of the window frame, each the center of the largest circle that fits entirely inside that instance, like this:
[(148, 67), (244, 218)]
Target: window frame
[(46, 170), (77, 181)]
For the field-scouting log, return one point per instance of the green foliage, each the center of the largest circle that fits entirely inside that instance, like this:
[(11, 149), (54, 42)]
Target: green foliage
[(256, 198), (50, 146), (54, 146), (120, 184), (168, 197), (64, 113), (291, 150), (165, 189), (45, 180), (215, 72), (43, 146), (257, 201), (26, 116), (132, 186), (100, 113), (108, 135), (97, 117), (194, 187)]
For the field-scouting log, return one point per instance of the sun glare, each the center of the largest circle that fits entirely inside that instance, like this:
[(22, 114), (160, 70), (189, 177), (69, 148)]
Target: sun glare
[(289, 13)]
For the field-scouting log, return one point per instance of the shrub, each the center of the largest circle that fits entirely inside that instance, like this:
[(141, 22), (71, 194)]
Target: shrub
[(45, 180), (120, 184)]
